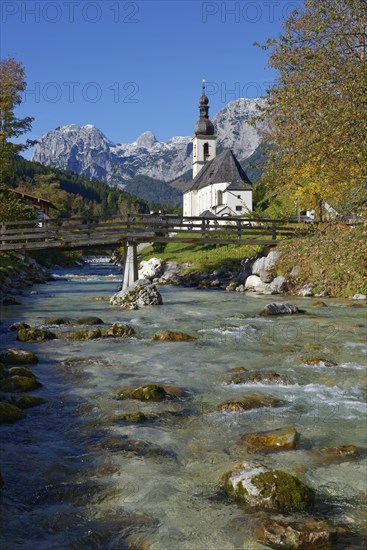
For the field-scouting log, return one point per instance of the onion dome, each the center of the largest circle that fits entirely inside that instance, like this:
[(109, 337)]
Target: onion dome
[(204, 126)]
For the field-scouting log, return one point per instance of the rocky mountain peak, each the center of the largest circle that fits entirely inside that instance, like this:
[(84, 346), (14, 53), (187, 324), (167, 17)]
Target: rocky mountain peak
[(146, 139)]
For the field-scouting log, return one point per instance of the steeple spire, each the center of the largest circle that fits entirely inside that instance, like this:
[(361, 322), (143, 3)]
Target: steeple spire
[(204, 126)]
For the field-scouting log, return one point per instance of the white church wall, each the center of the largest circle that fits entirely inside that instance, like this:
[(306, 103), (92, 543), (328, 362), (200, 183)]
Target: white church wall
[(239, 201)]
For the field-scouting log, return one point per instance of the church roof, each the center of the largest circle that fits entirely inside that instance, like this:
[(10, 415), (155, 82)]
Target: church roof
[(207, 214), (222, 169)]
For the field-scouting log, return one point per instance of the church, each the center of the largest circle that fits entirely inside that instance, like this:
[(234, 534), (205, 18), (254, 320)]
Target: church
[(220, 186)]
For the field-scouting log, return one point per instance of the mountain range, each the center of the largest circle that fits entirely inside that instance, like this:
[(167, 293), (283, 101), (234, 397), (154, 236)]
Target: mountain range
[(146, 163)]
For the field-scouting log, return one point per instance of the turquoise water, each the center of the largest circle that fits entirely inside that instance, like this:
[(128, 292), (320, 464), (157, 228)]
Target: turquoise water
[(63, 492)]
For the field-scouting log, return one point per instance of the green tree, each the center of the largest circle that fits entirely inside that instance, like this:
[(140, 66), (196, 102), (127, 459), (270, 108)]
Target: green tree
[(317, 111), (12, 208), (12, 84)]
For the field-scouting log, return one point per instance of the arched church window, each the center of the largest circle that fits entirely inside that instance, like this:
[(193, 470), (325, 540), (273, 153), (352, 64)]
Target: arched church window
[(219, 197), (206, 150)]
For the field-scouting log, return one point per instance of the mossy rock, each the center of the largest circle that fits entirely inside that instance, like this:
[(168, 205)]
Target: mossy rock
[(19, 384), (20, 371), (10, 413), (131, 447), (152, 392), (280, 439), (250, 402), (3, 370), (132, 418), (35, 335), (28, 401), (337, 454), (148, 392), (316, 360), (285, 491), (18, 357), (19, 326), (119, 331), (57, 321), (90, 321), (258, 377), (236, 370), (296, 534), (257, 486), (172, 336), (87, 334)]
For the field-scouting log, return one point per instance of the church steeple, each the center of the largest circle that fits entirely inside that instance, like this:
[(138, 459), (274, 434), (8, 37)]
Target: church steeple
[(205, 140), (204, 126)]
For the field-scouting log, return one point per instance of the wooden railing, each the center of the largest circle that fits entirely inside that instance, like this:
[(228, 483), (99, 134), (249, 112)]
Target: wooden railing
[(115, 231)]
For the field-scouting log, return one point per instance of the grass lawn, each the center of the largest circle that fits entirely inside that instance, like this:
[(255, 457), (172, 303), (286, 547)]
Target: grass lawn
[(202, 257)]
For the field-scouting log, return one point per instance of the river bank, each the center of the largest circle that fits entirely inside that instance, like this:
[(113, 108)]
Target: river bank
[(73, 477), (18, 273), (327, 261)]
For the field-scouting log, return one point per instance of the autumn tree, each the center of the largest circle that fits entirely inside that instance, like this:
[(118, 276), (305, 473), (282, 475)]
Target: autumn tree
[(12, 84), (317, 110)]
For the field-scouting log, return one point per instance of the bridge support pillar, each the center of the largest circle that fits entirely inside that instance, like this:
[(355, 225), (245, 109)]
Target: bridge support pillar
[(130, 265)]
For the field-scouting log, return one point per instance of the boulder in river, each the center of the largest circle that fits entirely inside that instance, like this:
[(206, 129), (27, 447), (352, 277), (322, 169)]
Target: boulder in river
[(258, 377), (273, 440), (258, 486), (151, 392), (279, 308), (19, 326), (27, 401), (57, 321), (337, 454), (10, 413), (172, 336), (316, 360), (19, 384), (140, 294), (86, 334), (296, 534), (18, 357), (90, 321), (132, 418), (118, 330), (250, 402), (35, 335), (135, 447), (20, 371)]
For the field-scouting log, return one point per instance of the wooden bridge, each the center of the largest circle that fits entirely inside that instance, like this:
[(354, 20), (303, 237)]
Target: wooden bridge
[(79, 233)]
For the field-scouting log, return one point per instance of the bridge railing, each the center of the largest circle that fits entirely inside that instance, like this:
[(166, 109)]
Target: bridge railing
[(84, 232)]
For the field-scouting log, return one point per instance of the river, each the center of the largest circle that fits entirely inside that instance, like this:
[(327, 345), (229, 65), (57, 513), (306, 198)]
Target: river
[(64, 491)]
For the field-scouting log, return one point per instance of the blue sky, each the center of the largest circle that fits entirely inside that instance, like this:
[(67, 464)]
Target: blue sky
[(131, 66)]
